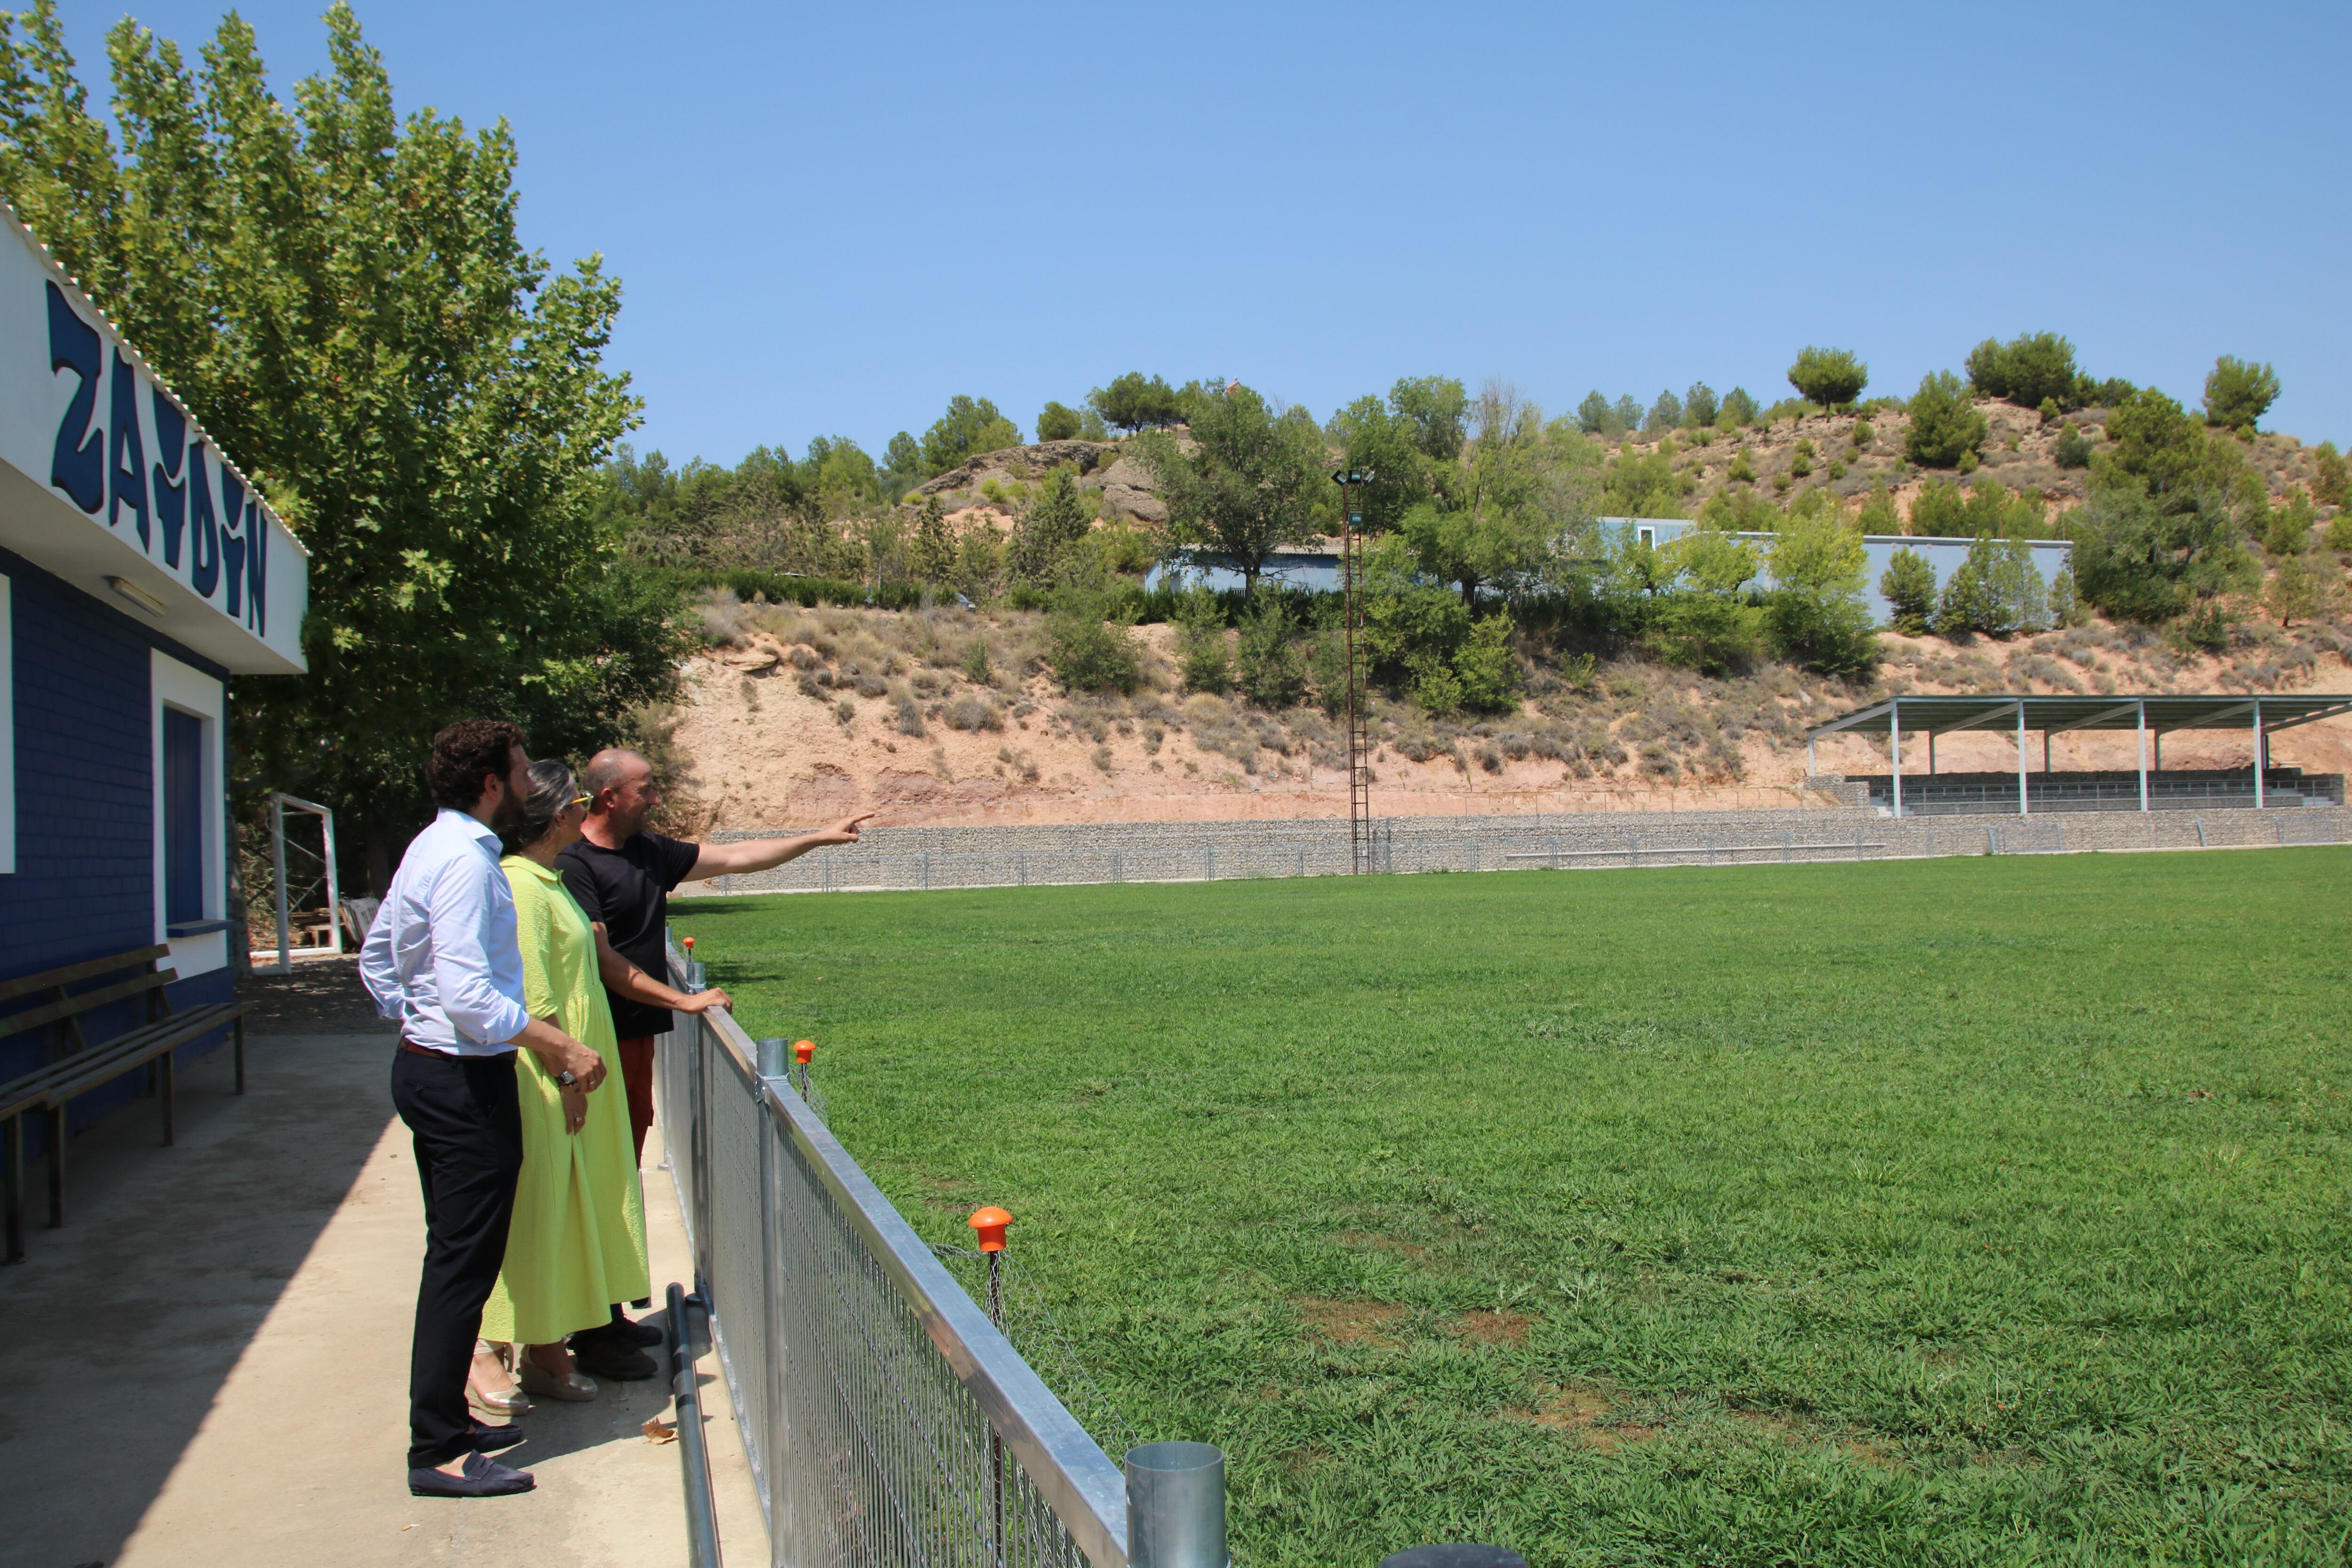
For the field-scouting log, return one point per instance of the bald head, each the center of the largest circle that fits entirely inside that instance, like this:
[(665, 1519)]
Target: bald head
[(621, 784)]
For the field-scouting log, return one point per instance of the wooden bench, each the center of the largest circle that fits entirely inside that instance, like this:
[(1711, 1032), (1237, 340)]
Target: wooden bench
[(76, 1066)]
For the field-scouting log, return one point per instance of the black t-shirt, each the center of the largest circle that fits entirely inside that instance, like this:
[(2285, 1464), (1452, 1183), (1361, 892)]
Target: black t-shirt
[(628, 889)]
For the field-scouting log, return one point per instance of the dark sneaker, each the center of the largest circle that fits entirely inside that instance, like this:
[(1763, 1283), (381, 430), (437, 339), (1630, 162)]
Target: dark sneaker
[(602, 1353), (635, 1334)]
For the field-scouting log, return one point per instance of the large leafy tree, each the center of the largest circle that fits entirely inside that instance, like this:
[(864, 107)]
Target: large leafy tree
[(2239, 392), (340, 297), (1518, 494), (970, 426), (1136, 402), (1253, 476), (1831, 377)]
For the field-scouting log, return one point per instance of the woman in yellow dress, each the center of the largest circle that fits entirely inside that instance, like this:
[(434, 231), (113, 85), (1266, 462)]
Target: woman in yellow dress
[(577, 1244)]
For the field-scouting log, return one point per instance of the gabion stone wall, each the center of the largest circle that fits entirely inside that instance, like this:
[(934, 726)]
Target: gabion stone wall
[(1040, 854)]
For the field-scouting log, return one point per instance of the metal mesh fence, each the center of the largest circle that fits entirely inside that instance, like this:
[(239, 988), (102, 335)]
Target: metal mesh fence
[(889, 1422)]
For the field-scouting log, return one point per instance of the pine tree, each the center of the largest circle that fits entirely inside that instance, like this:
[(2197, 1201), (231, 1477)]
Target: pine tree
[(1909, 585), (935, 549)]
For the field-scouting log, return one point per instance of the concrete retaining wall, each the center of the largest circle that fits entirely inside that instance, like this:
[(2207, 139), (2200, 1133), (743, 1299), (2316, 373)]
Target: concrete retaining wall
[(934, 857)]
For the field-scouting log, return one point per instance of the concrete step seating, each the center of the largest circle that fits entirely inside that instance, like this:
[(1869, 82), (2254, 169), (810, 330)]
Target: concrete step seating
[(1953, 795)]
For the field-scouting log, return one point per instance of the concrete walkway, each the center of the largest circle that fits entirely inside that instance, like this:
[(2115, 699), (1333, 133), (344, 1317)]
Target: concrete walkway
[(208, 1366)]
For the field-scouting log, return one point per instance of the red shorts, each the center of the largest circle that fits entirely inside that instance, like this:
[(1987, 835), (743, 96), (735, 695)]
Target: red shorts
[(638, 1078)]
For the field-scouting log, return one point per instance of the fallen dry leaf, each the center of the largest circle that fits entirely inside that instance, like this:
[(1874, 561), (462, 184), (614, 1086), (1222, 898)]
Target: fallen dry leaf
[(661, 1431)]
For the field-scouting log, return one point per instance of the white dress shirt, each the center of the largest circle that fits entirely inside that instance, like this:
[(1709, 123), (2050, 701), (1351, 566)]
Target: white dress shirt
[(442, 956)]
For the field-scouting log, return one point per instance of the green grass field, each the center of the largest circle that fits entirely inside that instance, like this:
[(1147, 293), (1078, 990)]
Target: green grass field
[(1951, 1211)]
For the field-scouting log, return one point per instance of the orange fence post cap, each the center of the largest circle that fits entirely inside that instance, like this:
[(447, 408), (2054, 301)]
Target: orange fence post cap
[(689, 945), (804, 1049), (990, 1223)]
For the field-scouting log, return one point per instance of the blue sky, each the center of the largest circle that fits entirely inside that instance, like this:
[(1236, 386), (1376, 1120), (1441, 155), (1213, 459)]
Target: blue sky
[(832, 218)]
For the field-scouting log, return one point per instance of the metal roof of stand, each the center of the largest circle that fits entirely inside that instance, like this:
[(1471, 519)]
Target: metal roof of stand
[(2151, 714)]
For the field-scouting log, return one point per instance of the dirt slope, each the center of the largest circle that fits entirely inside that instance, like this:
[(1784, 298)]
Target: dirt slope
[(803, 716)]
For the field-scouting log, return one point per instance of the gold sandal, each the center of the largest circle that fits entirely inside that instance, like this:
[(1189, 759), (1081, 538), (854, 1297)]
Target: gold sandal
[(497, 1404), (571, 1388)]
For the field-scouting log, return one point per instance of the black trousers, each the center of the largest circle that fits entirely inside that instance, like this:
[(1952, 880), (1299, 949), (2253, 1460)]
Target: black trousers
[(469, 1133)]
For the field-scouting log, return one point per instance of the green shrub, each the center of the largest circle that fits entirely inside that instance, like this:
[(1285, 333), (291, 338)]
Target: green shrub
[(1712, 633), (2288, 529), (2029, 370), (1088, 650), (1909, 585), (1802, 463), (1058, 423), (1436, 689), (2332, 484), (2049, 410), (975, 662), (1488, 674), (2294, 592), (1878, 513), (2066, 608), (1738, 409), (1266, 666), (1742, 471), (1200, 621), (911, 717), (2339, 531), (2074, 451), (1326, 666), (1969, 462), (1945, 425), (1862, 433)]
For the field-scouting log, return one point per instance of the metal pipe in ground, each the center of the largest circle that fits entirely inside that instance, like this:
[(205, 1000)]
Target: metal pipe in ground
[(1176, 1506), (693, 1451)]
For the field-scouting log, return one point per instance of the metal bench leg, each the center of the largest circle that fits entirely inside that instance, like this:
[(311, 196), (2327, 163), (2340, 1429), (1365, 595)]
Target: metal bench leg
[(164, 1073), (57, 1167), (15, 1182), (237, 1034)]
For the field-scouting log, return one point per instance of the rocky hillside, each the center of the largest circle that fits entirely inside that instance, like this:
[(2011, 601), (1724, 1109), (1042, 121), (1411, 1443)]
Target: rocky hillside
[(947, 715)]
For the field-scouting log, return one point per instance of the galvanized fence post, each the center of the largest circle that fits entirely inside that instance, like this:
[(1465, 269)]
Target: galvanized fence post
[(1176, 1506)]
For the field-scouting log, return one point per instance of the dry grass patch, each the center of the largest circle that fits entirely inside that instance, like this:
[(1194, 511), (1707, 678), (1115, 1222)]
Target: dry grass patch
[(1351, 1323)]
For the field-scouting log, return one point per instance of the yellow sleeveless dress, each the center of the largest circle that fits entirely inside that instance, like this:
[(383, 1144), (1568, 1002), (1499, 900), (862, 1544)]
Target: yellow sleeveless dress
[(577, 1242)]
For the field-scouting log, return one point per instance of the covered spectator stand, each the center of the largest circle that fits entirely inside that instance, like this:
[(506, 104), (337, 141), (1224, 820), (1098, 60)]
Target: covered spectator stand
[(2146, 788), (139, 571)]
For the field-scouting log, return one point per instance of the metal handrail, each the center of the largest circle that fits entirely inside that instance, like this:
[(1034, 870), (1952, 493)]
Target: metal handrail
[(1083, 1487)]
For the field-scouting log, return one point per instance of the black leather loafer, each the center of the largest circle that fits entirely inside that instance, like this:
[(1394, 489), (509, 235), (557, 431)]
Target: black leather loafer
[(483, 1477), (489, 1439)]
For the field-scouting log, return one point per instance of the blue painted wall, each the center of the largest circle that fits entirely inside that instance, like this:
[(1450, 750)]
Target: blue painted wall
[(84, 885)]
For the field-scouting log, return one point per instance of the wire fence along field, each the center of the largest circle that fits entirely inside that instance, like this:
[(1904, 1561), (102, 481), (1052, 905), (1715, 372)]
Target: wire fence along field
[(888, 1421), (1241, 851)]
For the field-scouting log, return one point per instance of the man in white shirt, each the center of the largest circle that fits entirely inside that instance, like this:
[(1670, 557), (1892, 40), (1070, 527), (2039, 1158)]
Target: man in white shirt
[(442, 957)]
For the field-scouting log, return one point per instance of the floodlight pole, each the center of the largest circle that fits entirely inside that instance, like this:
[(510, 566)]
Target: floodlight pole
[(1351, 483)]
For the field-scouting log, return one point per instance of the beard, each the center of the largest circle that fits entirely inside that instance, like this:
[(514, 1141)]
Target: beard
[(508, 814)]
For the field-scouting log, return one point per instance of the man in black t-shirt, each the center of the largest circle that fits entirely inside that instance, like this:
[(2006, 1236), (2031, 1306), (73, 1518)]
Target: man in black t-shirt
[(623, 876)]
